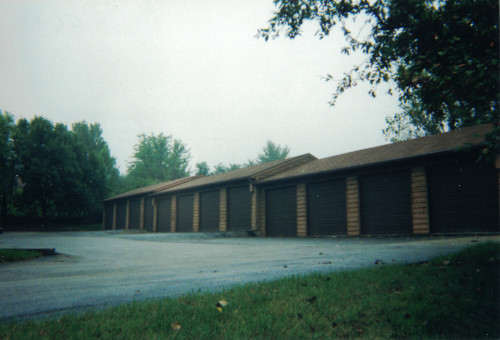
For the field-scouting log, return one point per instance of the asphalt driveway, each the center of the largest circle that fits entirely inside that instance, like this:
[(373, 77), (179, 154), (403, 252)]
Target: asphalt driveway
[(98, 269)]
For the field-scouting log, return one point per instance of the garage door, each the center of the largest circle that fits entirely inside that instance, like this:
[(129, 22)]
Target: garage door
[(135, 214), (281, 212), (185, 213), (164, 215), (209, 211), (121, 215), (326, 208), (463, 197), (386, 203), (239, 209), (148, 214), (108, 216)]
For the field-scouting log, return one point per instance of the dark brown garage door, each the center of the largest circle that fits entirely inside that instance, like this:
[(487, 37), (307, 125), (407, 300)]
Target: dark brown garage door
[(164, 215), (281, 212), (135, 214), (209, 211), (239, 209), (121, 215), (148, 214), (326, 208), (386, 203), (108, 216), (463, 197), (185, 213)]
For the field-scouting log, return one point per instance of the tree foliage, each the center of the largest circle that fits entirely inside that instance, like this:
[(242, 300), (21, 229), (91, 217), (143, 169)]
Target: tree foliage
[(50, 172), (6, 163), (158, 159), (441, 55), (270, 152)]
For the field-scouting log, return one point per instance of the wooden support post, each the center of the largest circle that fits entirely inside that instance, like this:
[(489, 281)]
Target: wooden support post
[(173, 215), (114, 215), (262, 212), (223, 210), (155, 215), (419, 201), (196, 212), (127, 216), (141, 221), (353, 207), (255, 207), (301, 210)]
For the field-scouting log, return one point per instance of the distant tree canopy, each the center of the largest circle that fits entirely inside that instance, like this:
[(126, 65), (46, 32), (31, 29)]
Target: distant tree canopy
[(157, 159), (50, 172), (270, 152), (442, 56)]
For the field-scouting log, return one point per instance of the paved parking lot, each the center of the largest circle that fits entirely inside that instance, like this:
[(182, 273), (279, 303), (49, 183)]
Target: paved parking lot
[(98, 269)]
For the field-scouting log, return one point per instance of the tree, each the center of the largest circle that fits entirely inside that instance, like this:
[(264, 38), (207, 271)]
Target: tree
[(99, 171), (158, 159), (202, 169), (272, 152), (7, 175), (441, 55), (46, 166)]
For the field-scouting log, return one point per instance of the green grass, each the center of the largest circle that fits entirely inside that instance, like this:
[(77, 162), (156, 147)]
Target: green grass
[(452, 297), (12, 255)]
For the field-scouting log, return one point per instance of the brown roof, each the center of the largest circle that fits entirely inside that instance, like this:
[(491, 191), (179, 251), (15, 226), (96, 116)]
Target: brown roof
[(443, 142), (253, 173), (154, 188)]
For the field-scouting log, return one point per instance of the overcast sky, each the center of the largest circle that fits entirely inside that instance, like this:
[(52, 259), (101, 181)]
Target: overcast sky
[(190, 69)]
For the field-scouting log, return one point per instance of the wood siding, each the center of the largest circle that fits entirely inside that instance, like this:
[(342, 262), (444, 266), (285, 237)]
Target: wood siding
[(419, 201), (223, 210), (302, 213), (352, 206), (196, 212)]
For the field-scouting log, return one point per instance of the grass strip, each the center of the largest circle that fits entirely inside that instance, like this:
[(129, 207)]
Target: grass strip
[(455, 296), (12, 255)]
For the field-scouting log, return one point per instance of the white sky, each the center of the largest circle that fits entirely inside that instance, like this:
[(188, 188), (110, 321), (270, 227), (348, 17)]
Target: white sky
[(192, 69)]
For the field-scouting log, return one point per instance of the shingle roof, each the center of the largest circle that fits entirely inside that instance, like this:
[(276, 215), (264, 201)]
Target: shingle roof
[(444, 142), (153, 188), (255, 172)]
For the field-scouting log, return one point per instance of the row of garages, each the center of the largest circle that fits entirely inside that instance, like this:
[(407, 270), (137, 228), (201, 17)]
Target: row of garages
[(415, 187)]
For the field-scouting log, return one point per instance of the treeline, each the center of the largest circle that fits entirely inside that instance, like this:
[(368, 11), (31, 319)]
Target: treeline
[(50, 173)]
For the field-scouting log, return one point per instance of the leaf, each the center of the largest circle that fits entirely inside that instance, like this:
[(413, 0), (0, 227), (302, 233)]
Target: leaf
[(221, 304), (176, 326)]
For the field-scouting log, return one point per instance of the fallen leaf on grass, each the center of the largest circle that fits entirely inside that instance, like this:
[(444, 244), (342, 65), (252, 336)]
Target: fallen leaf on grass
[(176, 326), (221, 304)]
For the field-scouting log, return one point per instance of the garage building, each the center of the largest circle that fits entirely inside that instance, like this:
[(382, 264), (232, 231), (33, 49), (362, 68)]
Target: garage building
[(434, 184)]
